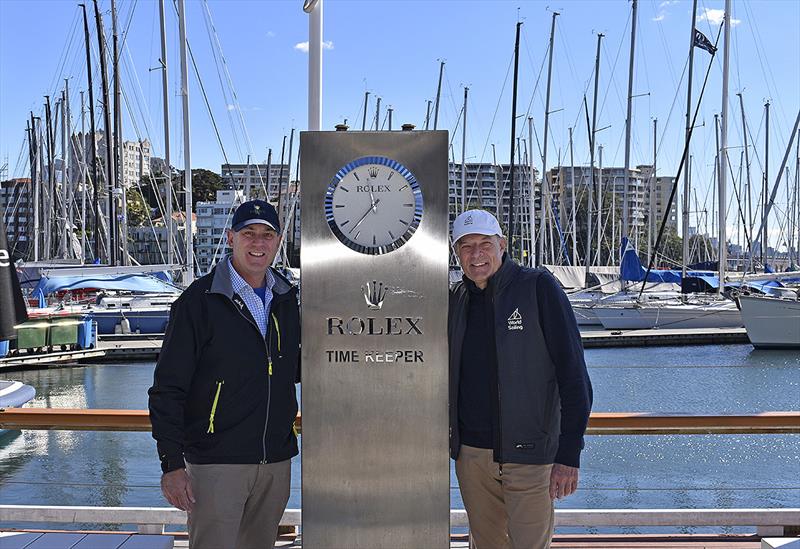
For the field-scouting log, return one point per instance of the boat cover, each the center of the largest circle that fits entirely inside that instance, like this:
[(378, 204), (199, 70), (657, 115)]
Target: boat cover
[(124, 282)]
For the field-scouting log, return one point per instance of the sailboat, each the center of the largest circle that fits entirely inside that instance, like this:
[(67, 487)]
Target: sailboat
[(772, 322)]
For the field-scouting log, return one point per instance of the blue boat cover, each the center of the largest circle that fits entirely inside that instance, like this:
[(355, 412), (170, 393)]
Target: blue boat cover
[(124, 282), (631, 269)]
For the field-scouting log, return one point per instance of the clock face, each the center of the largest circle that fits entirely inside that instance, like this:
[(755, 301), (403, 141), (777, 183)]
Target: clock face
[(373, 205)]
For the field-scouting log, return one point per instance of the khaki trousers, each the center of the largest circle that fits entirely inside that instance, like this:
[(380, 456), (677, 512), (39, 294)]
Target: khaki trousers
[(237, 506), (512, 510)]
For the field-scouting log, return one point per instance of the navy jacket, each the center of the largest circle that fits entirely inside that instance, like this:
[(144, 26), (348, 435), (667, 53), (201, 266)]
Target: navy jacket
[(544, 394), (222, 393)]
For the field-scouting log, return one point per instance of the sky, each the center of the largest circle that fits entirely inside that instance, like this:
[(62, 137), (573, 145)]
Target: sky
[(252, 63)]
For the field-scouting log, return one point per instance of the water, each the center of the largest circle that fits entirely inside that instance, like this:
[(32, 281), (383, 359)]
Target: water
[(681, 471)]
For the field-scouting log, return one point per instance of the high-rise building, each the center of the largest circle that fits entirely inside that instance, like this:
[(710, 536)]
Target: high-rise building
[(148, 244), (487, 186), (253, 179), (213, 218), (16, 206)]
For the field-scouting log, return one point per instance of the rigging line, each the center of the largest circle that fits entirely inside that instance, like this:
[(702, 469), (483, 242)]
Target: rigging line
[(205, 96), (759, 45), (494, 116), (612, 80), (538, 76), (62, 61), (130, 69), (228, 102)]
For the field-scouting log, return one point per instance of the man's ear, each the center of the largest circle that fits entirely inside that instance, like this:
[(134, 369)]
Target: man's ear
[(229, 234), (503, 244)]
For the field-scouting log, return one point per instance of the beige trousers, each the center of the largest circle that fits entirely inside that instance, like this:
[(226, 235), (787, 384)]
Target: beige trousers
[(237, 506), (508, 510)]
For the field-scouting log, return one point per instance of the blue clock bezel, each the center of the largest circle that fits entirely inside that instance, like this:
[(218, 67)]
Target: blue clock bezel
[(410, 179)]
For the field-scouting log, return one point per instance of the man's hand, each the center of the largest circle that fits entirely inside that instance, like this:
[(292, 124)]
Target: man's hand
[(177, 489), (563, 481)]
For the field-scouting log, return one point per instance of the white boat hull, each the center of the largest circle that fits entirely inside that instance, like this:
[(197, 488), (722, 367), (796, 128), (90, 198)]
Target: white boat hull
[(692, 316), (621, 318), (771, 323)]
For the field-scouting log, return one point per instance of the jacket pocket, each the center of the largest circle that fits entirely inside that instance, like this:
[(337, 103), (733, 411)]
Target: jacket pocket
[(214, 405)]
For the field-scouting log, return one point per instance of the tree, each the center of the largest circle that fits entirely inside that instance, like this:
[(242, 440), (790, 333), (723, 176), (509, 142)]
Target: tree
[(205, 185), (138, 209)]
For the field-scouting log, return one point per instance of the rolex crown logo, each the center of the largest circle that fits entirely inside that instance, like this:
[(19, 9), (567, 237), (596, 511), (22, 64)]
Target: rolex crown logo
[(374, 294), (373, 172)]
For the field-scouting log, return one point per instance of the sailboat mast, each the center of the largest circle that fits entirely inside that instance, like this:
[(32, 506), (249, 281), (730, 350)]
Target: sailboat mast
[(63, 222), (36, 181), (463, 154), (765, 191), (573, 226), (70, 168), (363, 120), (722, 254), (545, 187), (626, 175), (653, 180), (167, 160), (96, 193), (591, 153), (598, 255), (533, 259), (280, 175), (187, 157), (513, 142), (51, 181), (111, 247), (119, 183), (686, 186), (83, 180), (438, 96)]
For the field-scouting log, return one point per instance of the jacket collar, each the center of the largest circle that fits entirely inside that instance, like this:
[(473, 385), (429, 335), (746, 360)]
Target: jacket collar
[(221, 281)]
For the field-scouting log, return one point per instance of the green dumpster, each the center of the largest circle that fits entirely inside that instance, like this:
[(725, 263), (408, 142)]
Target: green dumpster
[(32, 334), (64, 331)]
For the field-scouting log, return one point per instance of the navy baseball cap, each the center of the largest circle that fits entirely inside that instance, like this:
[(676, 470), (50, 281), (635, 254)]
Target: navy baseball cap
[(255, 211)]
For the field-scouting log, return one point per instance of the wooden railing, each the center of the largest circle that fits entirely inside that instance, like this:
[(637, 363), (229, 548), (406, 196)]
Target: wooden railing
[(600, 423)]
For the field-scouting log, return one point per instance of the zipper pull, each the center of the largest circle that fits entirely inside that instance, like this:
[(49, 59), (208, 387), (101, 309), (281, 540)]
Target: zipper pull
[(501, 468), (269, 367)]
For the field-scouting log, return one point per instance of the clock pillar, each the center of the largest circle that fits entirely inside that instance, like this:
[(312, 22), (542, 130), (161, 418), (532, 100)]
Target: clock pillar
[(375, 465)]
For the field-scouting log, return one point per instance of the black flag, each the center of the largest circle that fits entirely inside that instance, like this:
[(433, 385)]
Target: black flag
[(12, 305), (702, 42)]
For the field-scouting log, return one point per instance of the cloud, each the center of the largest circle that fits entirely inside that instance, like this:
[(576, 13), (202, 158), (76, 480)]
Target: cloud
[(303, 46), (662, 9), (716, 16), (243, 109), (270, 34)]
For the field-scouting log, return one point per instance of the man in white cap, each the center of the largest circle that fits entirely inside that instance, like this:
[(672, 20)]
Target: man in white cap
[(520, 394)]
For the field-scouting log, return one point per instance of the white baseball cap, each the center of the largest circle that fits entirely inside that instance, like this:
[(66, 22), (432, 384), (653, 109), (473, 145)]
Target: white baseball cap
[(475, 222)]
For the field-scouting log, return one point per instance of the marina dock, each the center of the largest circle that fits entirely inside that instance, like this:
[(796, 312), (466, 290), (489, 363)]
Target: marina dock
[(147, 346)]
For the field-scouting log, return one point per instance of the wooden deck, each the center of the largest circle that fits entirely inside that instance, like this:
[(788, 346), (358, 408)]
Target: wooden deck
[(128, 540)]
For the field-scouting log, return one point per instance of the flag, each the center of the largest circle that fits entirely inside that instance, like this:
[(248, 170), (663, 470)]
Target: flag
[(12, 305), (702, 42)]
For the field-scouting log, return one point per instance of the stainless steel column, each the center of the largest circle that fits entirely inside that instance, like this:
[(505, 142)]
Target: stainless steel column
[(374, 393)]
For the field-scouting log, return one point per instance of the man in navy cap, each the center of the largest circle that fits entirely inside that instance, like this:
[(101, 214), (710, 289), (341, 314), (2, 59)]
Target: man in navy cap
[(223, 402)]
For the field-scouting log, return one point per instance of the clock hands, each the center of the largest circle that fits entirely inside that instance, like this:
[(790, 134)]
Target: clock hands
[(372, 208)]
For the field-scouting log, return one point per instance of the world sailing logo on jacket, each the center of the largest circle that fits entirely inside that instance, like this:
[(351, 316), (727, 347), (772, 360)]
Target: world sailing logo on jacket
[(515, 321)]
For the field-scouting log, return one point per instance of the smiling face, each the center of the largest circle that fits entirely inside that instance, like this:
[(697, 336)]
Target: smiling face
[(480, 256), (254, 248)]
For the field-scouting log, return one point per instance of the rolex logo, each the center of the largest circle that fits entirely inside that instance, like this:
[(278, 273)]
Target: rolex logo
[(374, 294), (373, 172)]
